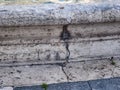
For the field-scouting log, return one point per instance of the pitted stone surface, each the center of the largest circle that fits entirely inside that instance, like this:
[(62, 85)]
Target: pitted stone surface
[(91, 70), (27, 53), (42, 43), (95, 50), (31, 75), (52, 14), (55, 73)]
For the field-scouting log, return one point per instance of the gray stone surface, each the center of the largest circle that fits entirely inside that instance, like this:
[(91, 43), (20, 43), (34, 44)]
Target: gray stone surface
[(38, 44), (27, 40), (91, 70), (54, 14), (27, 75), (31, 75), (106, 84)]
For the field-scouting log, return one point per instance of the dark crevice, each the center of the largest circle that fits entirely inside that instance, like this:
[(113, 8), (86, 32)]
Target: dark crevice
[(68, 51), (65, 36), (63, 65), (67, 77)]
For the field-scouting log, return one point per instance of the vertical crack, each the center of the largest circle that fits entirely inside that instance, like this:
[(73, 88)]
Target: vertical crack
[(67, 77), (65, 36), (63, 70), (67, 50)]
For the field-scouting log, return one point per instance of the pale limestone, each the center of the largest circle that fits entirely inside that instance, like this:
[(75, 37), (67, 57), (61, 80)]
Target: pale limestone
[(98, 49), (40, 52), (72, 72), (91, 70), (57, 14), (31, 75), (43, 43)]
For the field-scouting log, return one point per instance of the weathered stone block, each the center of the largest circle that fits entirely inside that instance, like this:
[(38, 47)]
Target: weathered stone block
[(31, 75), (27, 53), (94, 50)]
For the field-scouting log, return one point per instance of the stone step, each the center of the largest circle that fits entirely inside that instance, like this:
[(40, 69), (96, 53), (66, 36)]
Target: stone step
[(28, 75)]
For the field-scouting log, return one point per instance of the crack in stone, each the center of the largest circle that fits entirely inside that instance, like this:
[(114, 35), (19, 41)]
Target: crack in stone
[(67, 50), (67, 77), (65, 36), (89, 85), (63, 65)]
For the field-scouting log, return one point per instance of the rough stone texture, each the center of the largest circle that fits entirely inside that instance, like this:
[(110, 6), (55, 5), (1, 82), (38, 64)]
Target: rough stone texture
[(27, 53), (37, 43), (30, 35), (94, 50), (96, 30), (104, 84), (42, 43), (31, 75), (27, 40), (52, 14), (91, 70), (56, 73)]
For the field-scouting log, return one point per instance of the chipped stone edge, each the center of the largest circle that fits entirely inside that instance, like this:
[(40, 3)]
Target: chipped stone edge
[(58, 14)]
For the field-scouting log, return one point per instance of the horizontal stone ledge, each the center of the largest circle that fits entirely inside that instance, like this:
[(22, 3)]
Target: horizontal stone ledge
[(76, 71), (58, 14), (47, 53)]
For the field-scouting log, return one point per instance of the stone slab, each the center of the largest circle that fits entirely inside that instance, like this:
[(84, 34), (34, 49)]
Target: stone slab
[(92, 70), (94, 50), (91, 30), (55, 73), (57, 14), (34, 53), (30, 35), (31, 75)]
